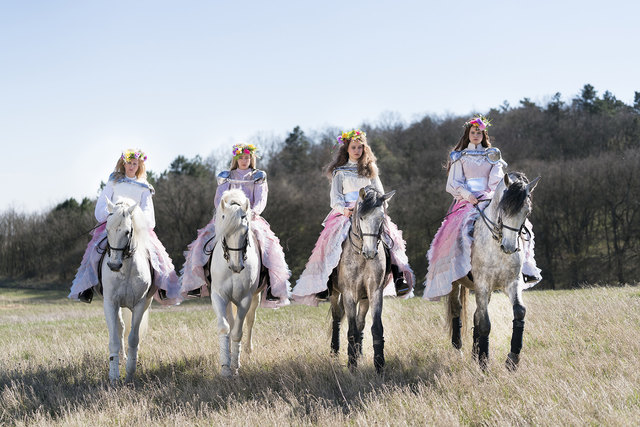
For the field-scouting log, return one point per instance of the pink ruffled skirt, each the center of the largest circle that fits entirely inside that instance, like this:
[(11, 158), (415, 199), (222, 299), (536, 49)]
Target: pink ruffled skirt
[(326, 256), (164, 276), (198, 252), (450, 252)]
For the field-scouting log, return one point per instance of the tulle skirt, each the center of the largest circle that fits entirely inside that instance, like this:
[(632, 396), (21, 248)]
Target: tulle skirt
[(326, 256), (164, 276), (450, 252), (272, 255)]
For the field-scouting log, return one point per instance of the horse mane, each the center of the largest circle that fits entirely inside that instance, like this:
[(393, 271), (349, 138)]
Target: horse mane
[(371, 200), (232, 220), (141, 235), (516, 195)]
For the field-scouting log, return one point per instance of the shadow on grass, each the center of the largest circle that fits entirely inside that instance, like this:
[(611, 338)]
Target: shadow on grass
[(195, 382)]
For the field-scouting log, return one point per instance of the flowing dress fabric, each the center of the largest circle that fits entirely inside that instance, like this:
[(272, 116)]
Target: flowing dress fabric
[(164, 275), (450, 252), (271, 252), (326, 256)]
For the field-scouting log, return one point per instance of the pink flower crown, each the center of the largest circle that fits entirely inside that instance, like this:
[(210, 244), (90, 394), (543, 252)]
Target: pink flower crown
[(479, 121), (240, 149), (129, 155), (351, 135)]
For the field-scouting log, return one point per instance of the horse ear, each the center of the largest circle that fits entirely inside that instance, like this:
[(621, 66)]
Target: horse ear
[(247, 205), (131, 209), (362, 193), (223, 205), (532, 184), (389, 195), (110, 206), (507, 181)]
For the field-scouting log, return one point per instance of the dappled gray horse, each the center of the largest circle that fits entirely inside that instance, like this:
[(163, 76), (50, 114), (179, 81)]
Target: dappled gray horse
[(359, 279), (496, 263)]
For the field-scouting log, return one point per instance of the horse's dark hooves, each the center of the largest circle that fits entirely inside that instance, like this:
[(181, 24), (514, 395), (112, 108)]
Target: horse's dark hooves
[(512, 362)]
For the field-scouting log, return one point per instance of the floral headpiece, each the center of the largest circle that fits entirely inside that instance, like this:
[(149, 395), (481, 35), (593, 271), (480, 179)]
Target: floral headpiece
[(129, 155), (351, 135), (479, 121), (240, 149)]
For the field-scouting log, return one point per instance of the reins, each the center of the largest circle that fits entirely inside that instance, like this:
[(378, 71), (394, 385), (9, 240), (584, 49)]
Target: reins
[(495, 228)]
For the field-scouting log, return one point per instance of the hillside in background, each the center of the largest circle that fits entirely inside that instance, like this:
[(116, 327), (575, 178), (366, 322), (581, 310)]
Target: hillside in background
[(586, 214)]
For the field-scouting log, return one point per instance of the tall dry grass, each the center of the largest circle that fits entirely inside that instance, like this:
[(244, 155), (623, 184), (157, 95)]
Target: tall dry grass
[(580, 365)]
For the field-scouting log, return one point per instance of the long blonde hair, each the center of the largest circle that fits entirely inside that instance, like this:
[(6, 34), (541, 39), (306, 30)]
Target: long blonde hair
[(234, 162), (366, 163), (119, 171)]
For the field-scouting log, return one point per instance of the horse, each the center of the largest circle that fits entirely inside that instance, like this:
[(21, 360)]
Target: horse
[(235, 274), (359, 279), (496, 264), (127, 281)]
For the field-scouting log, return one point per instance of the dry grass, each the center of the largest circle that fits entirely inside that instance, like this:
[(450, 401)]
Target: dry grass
[(580, 365)]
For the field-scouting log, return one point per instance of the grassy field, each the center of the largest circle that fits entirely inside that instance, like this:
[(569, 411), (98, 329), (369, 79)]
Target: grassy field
[(580, 366)]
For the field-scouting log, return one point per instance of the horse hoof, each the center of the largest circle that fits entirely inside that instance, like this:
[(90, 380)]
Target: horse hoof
[(512, 361)]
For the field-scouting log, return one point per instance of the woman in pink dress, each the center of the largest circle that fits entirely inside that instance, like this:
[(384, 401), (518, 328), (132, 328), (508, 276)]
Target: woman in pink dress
[(253, 182), (474, 170), (128, 181), (353, 168)]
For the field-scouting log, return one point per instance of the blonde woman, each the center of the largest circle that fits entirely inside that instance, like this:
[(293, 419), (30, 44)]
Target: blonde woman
[(128, 181)]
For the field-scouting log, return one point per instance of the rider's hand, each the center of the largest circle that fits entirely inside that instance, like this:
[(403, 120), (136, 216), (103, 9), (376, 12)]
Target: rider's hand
[(472, 199), (348, 212)]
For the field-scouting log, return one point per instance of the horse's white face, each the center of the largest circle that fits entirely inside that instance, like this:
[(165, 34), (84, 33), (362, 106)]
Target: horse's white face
[(119, 234), (235, 238)]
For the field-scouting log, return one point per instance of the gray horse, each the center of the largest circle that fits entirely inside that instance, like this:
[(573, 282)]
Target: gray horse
[(359, 279), (496, 263)]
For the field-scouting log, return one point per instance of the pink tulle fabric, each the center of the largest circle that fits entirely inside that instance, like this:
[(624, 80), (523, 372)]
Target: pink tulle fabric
[(326, 256), (271, 252), (450, 252), (164, 276)]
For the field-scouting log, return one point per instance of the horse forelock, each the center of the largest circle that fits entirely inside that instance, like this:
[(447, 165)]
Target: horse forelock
[(138, 221), (371, 201), (229, 218), (515, 196)]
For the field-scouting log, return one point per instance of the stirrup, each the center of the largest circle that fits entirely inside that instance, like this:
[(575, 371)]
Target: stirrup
[(323, 296), (86, 295), (402, 287), (194, 293)]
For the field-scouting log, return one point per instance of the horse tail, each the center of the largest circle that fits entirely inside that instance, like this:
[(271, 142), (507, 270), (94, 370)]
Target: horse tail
[(457, 302)]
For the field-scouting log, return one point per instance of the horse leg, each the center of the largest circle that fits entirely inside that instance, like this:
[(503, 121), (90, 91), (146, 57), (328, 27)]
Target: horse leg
[(236, 332), (481, 327), (363, 308), (251, 318), (350, 309), (337, 313), (112, 316), (220, 307), (515, 296), (137, 315), (454, 307), (377, 331)]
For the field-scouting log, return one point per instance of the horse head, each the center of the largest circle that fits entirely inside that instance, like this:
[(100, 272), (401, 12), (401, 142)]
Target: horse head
[(233, 223), (368, 219), (120, 231), (514, 206)]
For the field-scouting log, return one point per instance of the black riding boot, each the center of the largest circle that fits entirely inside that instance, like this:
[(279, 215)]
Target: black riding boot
[(402, 287), (86, 296), (264, 278)]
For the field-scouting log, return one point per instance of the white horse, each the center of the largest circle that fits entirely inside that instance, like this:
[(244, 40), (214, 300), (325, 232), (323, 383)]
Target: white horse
[(496, 263), (126, 282), (235, 273)]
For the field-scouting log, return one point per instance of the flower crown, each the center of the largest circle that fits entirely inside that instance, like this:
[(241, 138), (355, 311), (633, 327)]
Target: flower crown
[(240, 149), (479, 121), (129, 155), (351, 135)]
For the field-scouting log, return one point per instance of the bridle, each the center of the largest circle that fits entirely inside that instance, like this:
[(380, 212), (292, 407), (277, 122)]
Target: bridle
[(360, 235), (495, 228), (226, 248), (127, 251)]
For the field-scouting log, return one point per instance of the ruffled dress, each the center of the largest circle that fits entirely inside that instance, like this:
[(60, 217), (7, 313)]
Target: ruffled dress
[(450, 252), (272, 254), (345, 186)]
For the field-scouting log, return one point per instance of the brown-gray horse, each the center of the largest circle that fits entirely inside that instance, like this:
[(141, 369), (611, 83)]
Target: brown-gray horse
[(359, 279)]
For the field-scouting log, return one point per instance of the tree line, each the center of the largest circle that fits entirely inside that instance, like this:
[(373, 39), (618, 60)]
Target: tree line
[(586, 209)]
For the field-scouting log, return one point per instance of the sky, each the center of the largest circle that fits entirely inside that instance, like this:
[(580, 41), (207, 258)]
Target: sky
[(82, 80)]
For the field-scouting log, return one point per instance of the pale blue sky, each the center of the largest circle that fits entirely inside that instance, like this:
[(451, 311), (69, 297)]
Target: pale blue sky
[(81, 80)]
